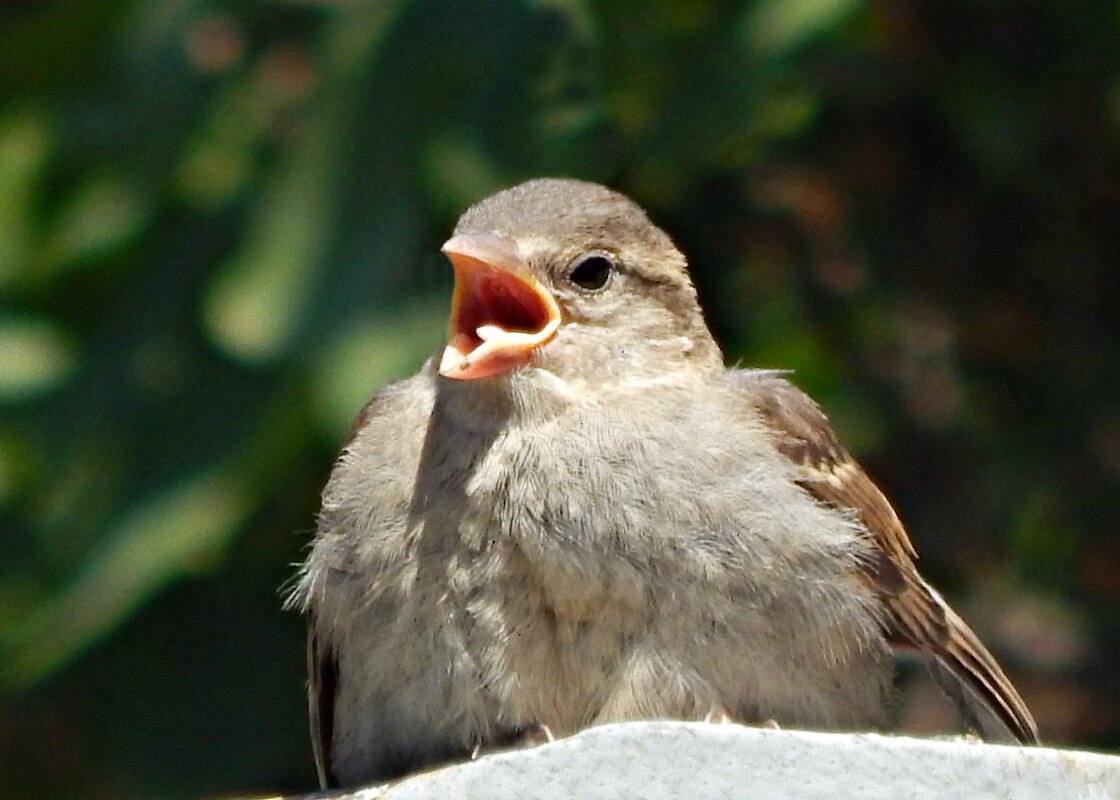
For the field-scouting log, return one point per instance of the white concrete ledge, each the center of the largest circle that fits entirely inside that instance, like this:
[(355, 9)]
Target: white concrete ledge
[(661, 760)]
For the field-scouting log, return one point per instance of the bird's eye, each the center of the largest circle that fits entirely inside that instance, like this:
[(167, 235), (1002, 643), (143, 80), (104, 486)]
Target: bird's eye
[(591, 271)]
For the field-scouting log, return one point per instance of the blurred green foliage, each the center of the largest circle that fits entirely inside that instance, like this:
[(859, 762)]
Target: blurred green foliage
[(219, 232)]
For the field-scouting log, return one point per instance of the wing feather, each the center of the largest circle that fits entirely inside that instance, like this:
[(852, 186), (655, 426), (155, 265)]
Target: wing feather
[(322, 677), (917, 615)]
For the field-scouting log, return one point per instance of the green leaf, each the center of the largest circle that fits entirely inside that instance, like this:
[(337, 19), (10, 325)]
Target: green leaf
[(25, 143), (257, 297), (370, 354), (35, 356), (775, 28), (157, 541)]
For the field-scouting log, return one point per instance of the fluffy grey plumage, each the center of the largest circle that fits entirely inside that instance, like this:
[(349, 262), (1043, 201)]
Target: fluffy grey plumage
[(614, 528)]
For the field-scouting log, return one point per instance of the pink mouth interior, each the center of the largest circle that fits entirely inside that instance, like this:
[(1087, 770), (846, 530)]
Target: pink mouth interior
[(495, 298)]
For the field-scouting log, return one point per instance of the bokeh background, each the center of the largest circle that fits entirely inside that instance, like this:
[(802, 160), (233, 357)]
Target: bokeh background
[(219, 232)]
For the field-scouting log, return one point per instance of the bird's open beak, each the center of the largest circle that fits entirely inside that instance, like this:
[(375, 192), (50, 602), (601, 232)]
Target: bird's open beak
[(500, 313)]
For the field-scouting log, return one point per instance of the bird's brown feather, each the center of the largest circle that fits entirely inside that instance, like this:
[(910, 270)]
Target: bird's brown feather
[(322, 673), (916, 615)]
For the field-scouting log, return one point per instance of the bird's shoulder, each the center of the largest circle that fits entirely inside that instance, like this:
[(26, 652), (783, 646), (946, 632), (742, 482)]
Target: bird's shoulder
[(379, 456), (802, 433), (394, 410)]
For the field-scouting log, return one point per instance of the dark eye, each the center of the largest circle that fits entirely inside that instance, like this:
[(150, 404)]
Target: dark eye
[(591, 271)]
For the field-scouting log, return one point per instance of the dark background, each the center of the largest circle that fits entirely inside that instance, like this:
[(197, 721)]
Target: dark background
[(219, 232)]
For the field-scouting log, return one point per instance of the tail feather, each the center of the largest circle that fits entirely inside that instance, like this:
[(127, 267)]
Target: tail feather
[(946, 639)]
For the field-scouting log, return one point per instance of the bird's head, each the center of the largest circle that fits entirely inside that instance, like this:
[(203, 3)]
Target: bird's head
[(571, 277)]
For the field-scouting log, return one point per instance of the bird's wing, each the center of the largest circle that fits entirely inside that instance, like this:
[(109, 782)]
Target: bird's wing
[(917, 615), (322, 675)]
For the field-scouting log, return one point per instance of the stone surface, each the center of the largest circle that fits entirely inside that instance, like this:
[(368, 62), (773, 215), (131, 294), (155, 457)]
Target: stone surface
[(661, 760)]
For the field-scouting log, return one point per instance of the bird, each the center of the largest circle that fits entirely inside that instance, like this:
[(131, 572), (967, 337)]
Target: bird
[(574, 513)]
